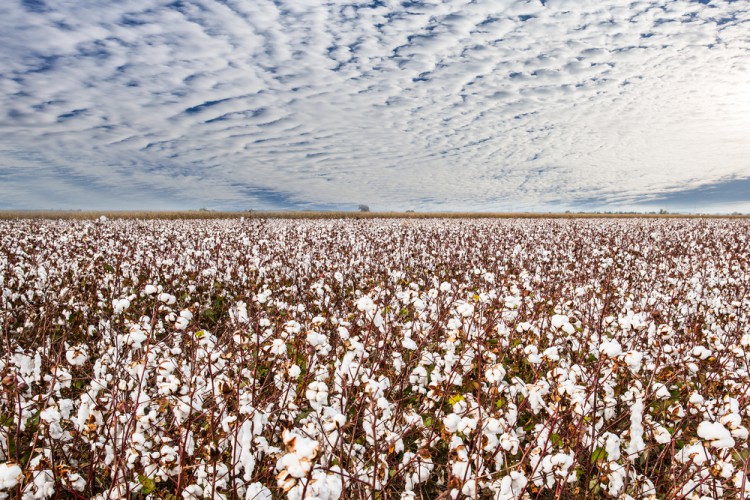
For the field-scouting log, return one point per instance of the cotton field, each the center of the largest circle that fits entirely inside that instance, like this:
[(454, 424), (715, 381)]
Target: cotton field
[(323, 359)]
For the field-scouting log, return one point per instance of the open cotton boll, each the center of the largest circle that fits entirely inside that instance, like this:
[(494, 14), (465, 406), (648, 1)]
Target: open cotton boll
[(77, 355), (150, 289), (611, 446), (731, 420), (611, 348), (317, 394), (316, 339), (700, 352), (558, 321), (616, 479), (495, 374), (465, 309), (365, 304), (660, 391), (256, 491), (636, 445), (469, 488), (10, 475), (716, 434), (633, 359), (75, 481), (551, 353), (697, 453), (740, 433), (409, 344), (532, 354), (181, 323), (511, 486), (562, 322), (451, 422), (120, 305), (167, 298)]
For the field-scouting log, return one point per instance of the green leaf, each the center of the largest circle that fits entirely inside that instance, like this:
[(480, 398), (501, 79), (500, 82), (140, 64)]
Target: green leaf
[(598, 455), (556, 439), (148, 484), (109, 268), (6, 420), (455, 399)]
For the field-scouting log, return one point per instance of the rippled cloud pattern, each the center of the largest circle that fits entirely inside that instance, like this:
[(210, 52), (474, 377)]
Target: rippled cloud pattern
[(427, 105)]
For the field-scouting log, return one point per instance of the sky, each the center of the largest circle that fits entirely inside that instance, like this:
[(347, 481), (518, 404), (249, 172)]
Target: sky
[(441, 105)]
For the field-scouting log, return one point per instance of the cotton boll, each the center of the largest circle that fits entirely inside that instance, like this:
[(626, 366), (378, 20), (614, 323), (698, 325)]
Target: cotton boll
[(740, 432), (149, 289), (610, 348), (636, 445), (167, 298), (365, 304), (10, 475), (294, 371), (661, 434), (701, 352), (551, 353), (343, 332), (469, 488), (716, 434), (611, 446), (120, 305), (465, 309), (77, 355), (317, 394), (495, 374), (409, 344), (697, 453), (511, 486), (43, 484), (731, 420), (740, 479), (193, 492), (278, 347), (633, 359), (660, 391), (558, 321), (532, 354), (616, 479), (75, 481), (317, 340), (256, 491), (451, 422), (696, 399)]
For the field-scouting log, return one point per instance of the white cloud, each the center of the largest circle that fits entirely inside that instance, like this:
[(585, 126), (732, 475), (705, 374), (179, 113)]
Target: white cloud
[(482, 105)]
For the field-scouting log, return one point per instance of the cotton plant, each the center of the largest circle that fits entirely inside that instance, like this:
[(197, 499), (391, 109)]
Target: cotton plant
[(264, 359)]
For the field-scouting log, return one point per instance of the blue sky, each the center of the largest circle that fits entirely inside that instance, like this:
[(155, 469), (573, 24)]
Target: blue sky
[(427, 105)]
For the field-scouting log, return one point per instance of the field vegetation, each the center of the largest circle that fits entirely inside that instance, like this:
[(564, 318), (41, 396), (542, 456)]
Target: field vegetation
[(266, 358)]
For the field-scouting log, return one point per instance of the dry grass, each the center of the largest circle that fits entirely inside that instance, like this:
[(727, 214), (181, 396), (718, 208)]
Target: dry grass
[(292, 214)]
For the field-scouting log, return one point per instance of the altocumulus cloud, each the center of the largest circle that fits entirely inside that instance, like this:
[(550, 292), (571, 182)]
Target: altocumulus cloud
[(450, 104)]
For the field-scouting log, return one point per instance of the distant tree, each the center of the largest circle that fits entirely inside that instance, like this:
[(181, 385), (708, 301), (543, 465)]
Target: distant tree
[(663, 212), (364, 208)]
